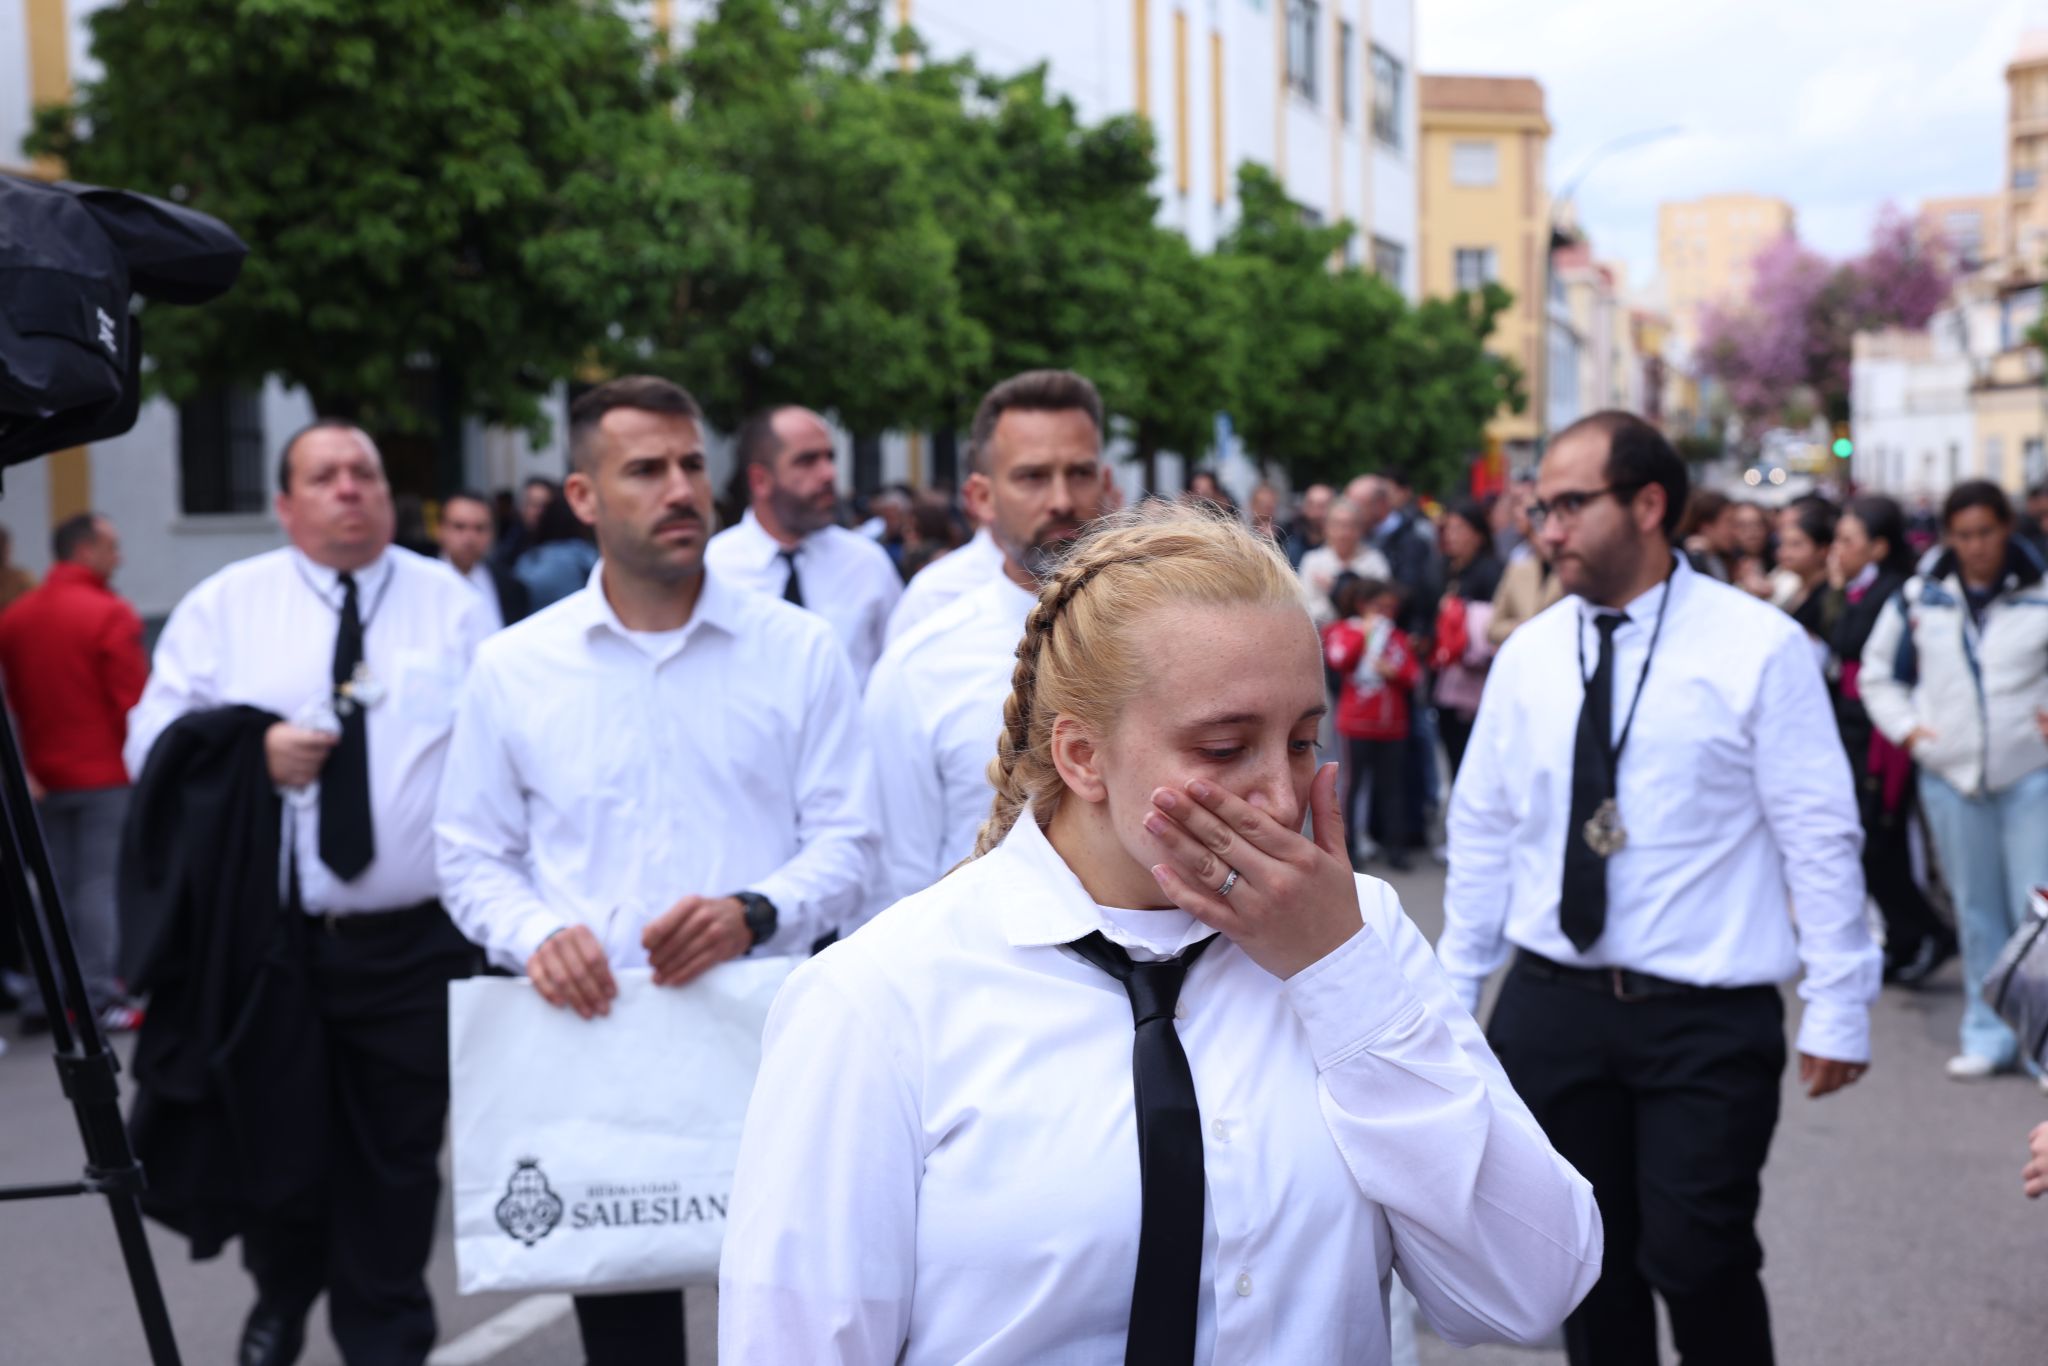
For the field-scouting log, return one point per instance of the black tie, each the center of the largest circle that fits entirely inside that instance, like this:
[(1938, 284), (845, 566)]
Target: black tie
[(1167, 1292), (346, 842), (1583, 910), (793, 587)]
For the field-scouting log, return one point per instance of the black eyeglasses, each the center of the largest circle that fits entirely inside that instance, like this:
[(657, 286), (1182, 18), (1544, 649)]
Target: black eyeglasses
[(1568, 507)]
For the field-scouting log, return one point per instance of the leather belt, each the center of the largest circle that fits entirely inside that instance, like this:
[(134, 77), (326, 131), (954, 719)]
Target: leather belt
[(1624, 984), (367, 924)]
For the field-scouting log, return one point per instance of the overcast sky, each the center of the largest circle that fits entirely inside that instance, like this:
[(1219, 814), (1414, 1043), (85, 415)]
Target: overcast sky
[(1835, 105)]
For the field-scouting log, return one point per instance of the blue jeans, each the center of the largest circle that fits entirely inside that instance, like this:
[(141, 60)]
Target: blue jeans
[(1994, 852)]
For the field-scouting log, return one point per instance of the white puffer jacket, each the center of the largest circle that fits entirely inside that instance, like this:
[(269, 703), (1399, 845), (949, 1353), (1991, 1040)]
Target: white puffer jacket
[(1978, 690)]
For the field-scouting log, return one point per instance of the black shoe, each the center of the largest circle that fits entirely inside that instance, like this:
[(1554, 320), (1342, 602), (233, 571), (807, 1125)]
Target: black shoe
[(1927, 957), (271, 1337)]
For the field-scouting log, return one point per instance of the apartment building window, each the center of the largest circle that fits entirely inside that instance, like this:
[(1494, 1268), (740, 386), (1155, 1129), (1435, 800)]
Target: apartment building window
[(220, 453), (1347, 71), (2034, 461), (1387, 98), (1389, 261), (1475, 164), (1304, 23), (1475, 267)]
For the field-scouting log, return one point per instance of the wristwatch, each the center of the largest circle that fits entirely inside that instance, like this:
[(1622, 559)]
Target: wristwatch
[(760, 916)]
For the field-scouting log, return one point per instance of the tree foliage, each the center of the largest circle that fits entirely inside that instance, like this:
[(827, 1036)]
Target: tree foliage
[(799, 206), (1346, 375), (489, 188), (1784, 353)]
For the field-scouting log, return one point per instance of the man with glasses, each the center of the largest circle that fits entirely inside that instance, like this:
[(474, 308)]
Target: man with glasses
[(1650, 875)]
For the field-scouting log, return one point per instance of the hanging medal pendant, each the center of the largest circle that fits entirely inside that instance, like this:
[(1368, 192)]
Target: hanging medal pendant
[(1604, 833)]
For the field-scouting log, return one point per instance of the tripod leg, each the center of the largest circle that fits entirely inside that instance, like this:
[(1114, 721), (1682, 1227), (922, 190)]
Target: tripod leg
[(85, 1064)]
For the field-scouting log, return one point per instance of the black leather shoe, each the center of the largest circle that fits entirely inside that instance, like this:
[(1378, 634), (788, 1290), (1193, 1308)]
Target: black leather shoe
[(271, 1337)]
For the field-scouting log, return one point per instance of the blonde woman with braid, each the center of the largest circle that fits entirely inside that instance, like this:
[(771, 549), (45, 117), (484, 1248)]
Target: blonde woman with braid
[(1153, 1077)]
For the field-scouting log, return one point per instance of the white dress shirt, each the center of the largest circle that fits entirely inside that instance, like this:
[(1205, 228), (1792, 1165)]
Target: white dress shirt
[(955, 1089), (261, 633), (935, 715), (598, 775), (1319, 571), (1733, 789), (953, 574), (847, 579), (479, 578)]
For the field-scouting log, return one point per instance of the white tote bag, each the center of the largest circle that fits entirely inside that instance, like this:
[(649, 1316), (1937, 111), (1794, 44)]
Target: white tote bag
[(597, 1155)]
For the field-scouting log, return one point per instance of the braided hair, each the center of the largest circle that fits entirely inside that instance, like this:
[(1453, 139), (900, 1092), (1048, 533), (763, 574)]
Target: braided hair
[(1074, 658)]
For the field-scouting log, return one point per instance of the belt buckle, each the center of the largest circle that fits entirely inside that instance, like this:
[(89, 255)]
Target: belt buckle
[(1619, 977)]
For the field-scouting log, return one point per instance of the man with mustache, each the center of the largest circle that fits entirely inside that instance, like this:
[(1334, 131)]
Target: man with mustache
[(790, 545), (935, 703), (663, 770)]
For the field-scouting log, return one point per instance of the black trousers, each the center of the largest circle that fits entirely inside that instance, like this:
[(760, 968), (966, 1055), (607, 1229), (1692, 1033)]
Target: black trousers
[(382, 992), (632, 1330), (1378, 768), (1909, 916), (1667, 1106), (1456, 729)]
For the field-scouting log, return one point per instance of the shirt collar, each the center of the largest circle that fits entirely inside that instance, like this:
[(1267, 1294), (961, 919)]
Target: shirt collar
[(1864, 578), (1042, 903), (718, 606), (765, 547), (326, 581), (1642, 609)]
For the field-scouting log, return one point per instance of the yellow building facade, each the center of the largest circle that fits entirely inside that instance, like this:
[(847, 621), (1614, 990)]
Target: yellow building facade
[(1704, 250), (1484, 215)]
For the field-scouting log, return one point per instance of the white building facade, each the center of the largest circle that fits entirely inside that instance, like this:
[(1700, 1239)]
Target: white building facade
[(1910, 414)]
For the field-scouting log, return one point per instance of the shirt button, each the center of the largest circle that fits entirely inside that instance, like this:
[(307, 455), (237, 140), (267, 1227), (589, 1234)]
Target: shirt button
[(1219, 1129), (1244, 1283)]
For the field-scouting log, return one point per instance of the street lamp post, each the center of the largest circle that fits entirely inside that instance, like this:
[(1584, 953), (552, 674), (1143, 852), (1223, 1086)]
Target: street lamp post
[(1593, 159)]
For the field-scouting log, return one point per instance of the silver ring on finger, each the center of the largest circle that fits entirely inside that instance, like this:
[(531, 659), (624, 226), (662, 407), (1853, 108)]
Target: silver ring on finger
[(1229, 884)]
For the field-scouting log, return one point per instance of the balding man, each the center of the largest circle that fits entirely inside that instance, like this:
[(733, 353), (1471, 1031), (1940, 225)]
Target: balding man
[(341, 656), (790, 545)]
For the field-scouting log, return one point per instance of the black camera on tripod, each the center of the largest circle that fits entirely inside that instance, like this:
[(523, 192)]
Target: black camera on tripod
[(72, 259)]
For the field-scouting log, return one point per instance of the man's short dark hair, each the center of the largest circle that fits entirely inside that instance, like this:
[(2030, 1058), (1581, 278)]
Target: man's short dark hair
[(318, 424), (533, 481), (471, 496), (756, 443), (646, 393), (1976, 493), (1638, 455), (1034, 391), (73, 534)]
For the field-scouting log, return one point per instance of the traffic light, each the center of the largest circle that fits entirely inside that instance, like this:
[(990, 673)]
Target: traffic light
[(1843, 447)]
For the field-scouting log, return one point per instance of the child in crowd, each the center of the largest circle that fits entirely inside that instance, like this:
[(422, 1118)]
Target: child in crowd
[(1378, 670)]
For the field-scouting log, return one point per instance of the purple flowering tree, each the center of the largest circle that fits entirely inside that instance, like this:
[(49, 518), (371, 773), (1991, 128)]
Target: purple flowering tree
[(1783, 355)]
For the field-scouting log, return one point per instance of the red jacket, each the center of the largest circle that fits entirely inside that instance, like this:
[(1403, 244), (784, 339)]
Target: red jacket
[(1378, 708), (71, 652)]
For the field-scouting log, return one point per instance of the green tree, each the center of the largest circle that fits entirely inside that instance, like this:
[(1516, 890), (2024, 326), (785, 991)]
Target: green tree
[(841, 293), (1346, 375), (488, 190), (1061, 259)]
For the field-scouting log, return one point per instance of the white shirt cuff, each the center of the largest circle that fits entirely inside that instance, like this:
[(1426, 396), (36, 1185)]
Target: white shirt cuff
[(1350, 997), (532, 932), (1837, 1032), (1468, 991)]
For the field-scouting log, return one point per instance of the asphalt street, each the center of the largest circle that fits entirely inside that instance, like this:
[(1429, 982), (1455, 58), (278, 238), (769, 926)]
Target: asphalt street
[(1895, 1231)]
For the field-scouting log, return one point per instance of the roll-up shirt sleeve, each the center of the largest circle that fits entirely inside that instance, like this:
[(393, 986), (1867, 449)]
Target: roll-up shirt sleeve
[(826, 885), (1809, 800), (1496, 1235)]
